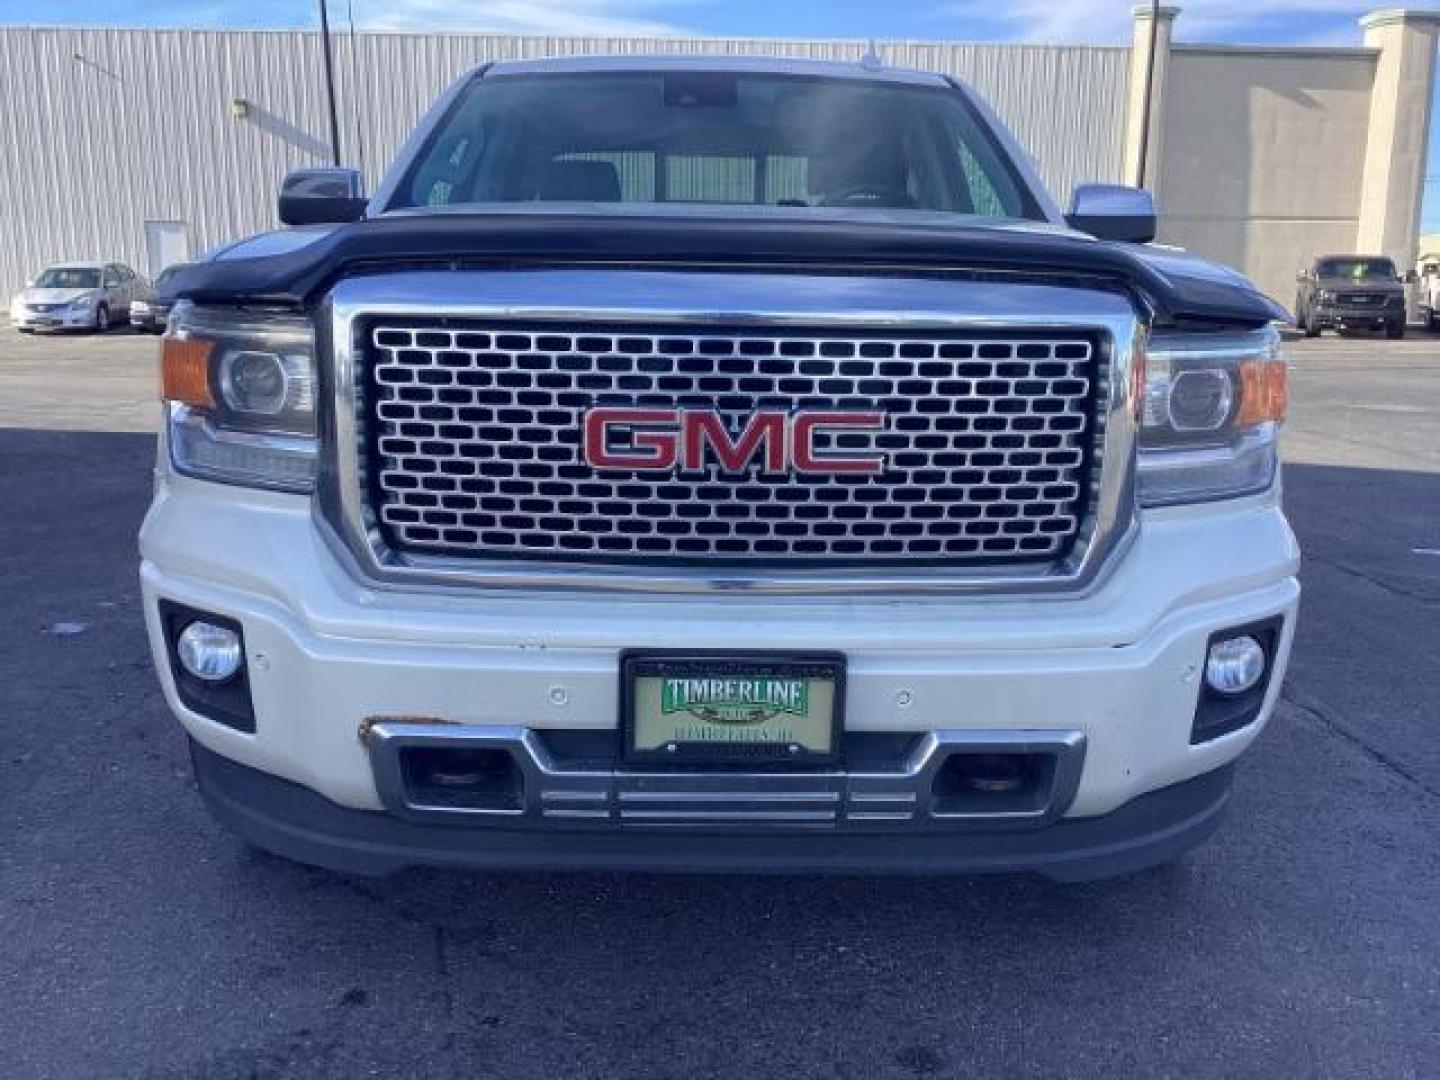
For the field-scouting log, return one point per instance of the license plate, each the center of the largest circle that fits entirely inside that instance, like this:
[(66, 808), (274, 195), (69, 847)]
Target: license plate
[(765, 709)]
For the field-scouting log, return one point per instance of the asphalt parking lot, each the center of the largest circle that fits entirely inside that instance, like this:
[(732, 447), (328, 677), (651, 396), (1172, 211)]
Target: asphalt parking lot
[(139, 940)]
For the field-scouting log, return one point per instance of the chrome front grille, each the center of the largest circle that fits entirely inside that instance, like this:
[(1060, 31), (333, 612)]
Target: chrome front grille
[(472, 439)]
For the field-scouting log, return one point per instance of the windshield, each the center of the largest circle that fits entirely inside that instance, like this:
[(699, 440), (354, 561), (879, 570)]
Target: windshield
[(1358, 269), (716, 138), (68, 277)]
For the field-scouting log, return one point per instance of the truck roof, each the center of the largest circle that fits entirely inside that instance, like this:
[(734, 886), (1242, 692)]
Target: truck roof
[(764, 65)]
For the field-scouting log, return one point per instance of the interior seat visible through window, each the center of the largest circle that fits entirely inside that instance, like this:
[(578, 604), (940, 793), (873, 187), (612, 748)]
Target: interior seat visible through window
[(579, 181)]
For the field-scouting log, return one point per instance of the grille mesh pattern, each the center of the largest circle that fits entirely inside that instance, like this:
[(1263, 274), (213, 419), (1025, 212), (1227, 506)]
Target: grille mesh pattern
[(475, 444)]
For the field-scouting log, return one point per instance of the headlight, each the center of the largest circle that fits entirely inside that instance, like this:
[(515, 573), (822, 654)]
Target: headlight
[(83, 304), (1325, 296), (1212, 409), (239, 386)]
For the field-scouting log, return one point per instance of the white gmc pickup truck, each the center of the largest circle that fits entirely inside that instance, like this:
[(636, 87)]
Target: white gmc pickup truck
[(706, 463)]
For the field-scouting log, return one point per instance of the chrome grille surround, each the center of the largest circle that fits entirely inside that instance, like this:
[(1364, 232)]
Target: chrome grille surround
[(477, 442), (819, 304)]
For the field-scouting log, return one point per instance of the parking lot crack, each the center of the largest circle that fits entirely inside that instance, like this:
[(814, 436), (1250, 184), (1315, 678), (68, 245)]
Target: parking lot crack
[(1317, 713), (442, 969), (1381, 583)]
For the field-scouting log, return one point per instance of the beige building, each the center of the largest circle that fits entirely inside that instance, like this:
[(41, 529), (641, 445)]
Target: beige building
[(1260, 157), (1266, 157)]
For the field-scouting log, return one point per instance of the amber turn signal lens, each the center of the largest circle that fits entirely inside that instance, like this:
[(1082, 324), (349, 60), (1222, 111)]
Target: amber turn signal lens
[(1264, 392), (185, 371)]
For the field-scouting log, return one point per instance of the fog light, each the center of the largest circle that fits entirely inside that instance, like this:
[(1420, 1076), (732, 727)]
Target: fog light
[(210, 653), (1235, 665)]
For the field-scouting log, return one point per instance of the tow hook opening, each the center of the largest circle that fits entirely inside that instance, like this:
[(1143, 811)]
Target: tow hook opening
[(993, 783), (462, 779)]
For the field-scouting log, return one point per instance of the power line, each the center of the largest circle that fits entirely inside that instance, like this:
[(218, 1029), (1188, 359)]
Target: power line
[(1149, 94), (330, 82), (355, 87)]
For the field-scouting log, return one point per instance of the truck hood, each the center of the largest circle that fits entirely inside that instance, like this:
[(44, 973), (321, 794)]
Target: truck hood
[(266, 245), (1180, 264), (295, 267)]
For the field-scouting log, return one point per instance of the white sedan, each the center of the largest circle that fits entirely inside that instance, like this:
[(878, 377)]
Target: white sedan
[(79, 296)]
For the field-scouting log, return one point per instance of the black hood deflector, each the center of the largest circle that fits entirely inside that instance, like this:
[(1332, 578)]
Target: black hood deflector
[(299, 277)]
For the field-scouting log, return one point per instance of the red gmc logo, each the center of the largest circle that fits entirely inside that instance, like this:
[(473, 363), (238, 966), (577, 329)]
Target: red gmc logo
[(664, 440)]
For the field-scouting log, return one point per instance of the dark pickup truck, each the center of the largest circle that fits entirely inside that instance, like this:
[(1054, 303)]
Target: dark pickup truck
[(1351, 292)]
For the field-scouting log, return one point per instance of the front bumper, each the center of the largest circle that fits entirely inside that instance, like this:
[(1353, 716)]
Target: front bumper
[(149, 317), (54, 320), (332, 660), (1340, 317), (295, 822)]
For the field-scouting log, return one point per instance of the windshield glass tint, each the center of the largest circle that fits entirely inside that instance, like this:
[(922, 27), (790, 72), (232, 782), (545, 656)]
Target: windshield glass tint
[(68, 277), (1358, 269), (696, 137)]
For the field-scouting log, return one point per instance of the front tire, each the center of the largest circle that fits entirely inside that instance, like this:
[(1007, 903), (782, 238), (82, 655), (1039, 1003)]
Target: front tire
[(1307, 324), (102, 319), (1395, 331)]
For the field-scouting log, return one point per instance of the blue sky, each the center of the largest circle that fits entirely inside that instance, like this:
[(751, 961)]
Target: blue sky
[(1290, 21), (1293, 22)]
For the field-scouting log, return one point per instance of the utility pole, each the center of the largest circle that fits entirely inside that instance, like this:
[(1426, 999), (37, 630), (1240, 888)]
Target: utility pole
[(1149, 93), (330, 84)]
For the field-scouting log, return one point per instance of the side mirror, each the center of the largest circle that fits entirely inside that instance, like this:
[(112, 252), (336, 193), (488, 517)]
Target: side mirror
[(1112, 212), (322, 197)]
